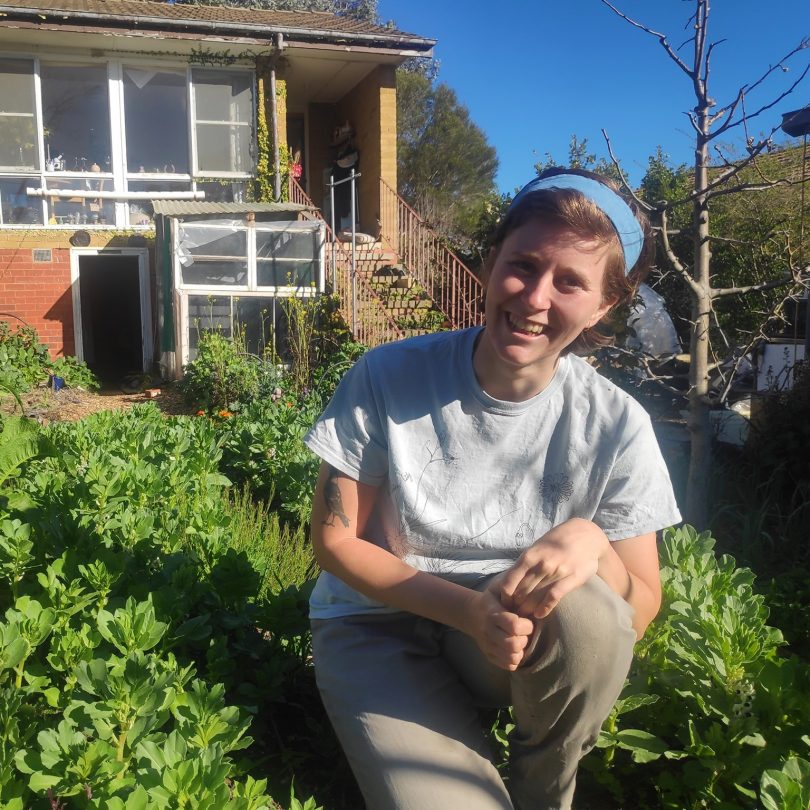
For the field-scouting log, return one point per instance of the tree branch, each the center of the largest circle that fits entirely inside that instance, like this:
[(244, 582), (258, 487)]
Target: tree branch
[(723, 292), (645, 206), (662, 39), (674, 260), (730, 125)]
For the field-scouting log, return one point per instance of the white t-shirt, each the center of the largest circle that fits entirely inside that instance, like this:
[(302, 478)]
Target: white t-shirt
[(467, 481)]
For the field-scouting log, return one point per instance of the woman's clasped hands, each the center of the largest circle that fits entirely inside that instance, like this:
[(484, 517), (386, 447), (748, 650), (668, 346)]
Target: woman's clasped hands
[(560, 561)]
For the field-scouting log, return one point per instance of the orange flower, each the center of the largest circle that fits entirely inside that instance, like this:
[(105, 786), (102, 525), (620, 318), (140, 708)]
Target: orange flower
[(200, 413), (225, 414)]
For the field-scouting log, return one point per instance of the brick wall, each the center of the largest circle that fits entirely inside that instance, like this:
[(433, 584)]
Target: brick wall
[(371, 107), (40, 294)]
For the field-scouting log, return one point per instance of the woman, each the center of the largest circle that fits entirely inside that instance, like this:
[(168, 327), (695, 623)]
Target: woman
[(485, 519)]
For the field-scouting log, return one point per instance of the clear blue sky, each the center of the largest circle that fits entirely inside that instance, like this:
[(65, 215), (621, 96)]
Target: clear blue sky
[(532, 72)]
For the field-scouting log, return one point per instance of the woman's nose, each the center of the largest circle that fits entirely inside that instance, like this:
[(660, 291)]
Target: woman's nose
[(538, 291)]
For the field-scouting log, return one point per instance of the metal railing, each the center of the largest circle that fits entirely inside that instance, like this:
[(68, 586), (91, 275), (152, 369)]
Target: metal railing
[(373, 325), (448, 281)]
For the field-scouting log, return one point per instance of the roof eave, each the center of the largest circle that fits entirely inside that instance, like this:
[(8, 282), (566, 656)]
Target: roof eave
[(387, 42)]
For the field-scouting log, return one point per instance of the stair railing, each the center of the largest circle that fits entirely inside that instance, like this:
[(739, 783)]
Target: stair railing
[(373, 324), (456, 291)]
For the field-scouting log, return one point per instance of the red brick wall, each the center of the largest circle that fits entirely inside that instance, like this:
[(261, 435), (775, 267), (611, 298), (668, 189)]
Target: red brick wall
[(40, 294)]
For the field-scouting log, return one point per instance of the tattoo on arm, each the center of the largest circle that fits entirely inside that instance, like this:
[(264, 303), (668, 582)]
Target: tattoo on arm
[(333, 500)]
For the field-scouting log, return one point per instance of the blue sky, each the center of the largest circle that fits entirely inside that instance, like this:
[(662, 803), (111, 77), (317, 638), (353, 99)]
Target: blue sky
[(532, 72)]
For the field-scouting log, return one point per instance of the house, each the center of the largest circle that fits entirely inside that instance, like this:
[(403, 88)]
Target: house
[(164, 165)]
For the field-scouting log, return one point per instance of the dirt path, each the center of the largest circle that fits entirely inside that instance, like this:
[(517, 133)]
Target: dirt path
[(71, 404)]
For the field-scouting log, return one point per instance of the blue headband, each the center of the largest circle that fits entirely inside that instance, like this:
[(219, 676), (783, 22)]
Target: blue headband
[(611, 204)]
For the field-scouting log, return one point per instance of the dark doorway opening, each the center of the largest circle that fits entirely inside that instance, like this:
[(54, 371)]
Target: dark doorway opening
[(110, 291)]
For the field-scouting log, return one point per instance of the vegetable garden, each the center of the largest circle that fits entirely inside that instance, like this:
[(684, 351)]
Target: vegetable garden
[(154, 648)]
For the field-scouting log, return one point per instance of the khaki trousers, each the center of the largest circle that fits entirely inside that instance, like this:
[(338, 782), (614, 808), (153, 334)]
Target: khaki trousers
[(403, 693)]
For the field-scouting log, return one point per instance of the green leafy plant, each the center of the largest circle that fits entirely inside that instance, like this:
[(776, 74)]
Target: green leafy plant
[(222, 374), (712, 703), (25, 363)]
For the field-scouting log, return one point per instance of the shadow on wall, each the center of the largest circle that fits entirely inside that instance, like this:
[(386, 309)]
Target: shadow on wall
[(61, 311)]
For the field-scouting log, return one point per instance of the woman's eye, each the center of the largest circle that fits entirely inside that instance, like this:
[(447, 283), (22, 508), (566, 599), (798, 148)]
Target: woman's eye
[(570, 281)]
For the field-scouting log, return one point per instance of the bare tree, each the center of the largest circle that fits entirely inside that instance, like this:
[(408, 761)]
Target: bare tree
[(725, 176)]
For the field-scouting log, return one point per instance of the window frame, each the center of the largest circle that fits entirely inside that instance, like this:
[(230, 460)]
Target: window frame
[(119, 177)]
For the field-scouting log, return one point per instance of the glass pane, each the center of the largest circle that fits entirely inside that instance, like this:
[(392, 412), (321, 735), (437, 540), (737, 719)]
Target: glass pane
[(76, 113), (287, 244), (222, 95), (287, 258), (273, 273), (262, 325), (223, 148), (18, 136), (259, 322), (142, 211), (202, 241), (207, 313), (156, 113), (223, 191), (80, 210), (214, 273), (16, 207)]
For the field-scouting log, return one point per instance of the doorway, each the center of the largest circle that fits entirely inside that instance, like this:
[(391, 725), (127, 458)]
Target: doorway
[(111, 313)]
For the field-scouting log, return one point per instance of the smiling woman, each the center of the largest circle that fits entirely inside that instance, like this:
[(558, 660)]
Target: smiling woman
[(485, 519)]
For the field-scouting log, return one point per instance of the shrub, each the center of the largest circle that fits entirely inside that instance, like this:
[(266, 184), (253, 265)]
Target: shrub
[(710, 704), (135, 642), (25, 363), (222, 375)]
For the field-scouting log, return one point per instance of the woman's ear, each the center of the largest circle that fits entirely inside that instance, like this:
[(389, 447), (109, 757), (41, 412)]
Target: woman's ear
[(604, 308)]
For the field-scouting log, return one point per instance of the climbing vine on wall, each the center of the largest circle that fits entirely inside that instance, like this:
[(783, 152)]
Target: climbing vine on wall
[(264, 140), (264, 171)]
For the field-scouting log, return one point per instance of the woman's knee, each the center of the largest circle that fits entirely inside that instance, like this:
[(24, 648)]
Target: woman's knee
[(590, 628)]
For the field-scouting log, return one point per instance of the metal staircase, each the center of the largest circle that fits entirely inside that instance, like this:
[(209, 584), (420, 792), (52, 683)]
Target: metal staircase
[(406, 284)]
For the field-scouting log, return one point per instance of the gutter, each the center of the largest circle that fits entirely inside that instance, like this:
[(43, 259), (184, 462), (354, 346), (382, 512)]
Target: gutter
[(213, 25)]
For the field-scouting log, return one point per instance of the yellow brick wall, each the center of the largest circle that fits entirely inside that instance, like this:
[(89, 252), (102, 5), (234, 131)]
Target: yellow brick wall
[(371, 108)]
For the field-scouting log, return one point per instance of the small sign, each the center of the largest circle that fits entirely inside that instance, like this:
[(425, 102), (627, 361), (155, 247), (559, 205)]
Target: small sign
[(42, 255)]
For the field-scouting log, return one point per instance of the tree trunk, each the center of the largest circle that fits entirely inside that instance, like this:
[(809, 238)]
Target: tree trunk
[(698, 420)]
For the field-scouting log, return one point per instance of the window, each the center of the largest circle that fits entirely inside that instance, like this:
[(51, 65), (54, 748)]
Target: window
[(212, 256), (232, 277), (86, 133), (156, 111), (260, 322), (16, 207), (18, 127), (223, 115), (287, 256), (76, 117)]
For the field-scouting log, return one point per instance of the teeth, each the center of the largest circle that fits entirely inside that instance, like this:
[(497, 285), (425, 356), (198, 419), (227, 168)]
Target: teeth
[(526, 326)]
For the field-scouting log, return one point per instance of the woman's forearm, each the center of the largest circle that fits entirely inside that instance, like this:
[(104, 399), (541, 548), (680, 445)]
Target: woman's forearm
[(378, 574)]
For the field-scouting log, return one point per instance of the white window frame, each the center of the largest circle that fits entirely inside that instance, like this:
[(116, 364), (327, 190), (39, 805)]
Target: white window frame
[(118, 177), (184, 291)]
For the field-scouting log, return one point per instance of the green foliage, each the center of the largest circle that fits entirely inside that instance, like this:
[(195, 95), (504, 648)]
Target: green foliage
[(136, 641), (712, 703), (25, 363), (281, 554), (445, 165), (222, 374), (75, 373), (580, 158)]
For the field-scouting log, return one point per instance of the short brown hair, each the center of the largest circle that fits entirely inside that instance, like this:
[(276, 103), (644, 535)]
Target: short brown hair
[(576, 213)]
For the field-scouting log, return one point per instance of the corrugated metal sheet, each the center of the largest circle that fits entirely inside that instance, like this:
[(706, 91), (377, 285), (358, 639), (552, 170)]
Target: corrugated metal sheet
[(327, 25), (184, 208)]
